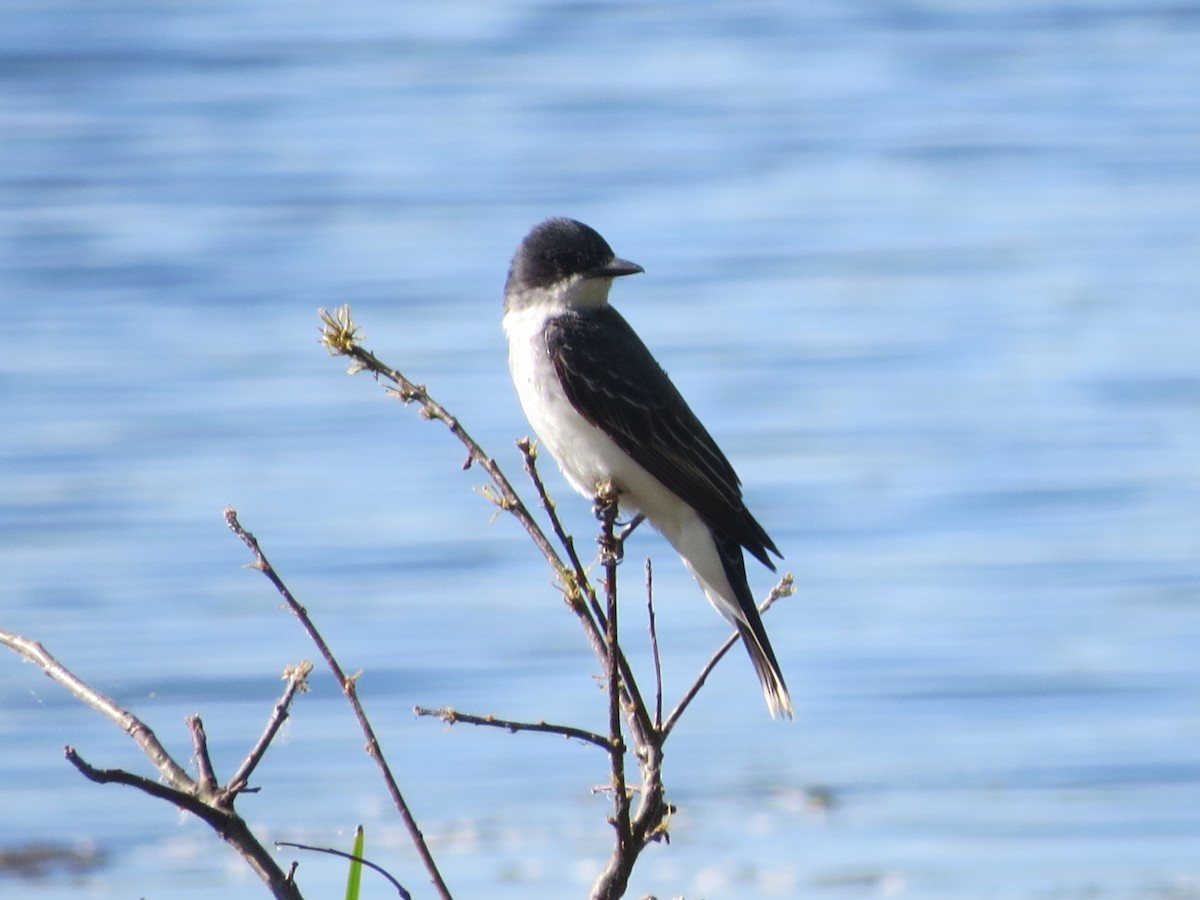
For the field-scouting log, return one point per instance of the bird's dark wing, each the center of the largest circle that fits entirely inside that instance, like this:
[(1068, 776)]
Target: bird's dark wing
[(613, 381)]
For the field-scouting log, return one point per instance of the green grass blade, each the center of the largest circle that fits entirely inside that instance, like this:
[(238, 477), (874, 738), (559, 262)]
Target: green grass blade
[(354, 879)]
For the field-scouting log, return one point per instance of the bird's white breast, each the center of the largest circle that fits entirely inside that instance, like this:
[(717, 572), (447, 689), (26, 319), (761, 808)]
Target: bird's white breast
[(586, 455), (583, 452)]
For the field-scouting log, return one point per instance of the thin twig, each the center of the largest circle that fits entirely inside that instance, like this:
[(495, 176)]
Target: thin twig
[(349, 688), (658, 685), (596, 623), (452, 717), (400, 889), (630, 528), (188, 801), (208, 779), (529, 455), (170, 771), (341, 336), (297, 681), (231, 827), (610, 556)]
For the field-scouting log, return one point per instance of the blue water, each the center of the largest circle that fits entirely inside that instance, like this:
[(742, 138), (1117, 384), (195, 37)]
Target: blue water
[(927, 270)]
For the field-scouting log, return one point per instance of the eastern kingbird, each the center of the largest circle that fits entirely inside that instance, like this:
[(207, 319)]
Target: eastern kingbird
[(606, 410)]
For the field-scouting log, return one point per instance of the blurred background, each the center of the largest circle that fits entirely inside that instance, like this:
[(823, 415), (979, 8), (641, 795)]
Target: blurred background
[(927, 270)]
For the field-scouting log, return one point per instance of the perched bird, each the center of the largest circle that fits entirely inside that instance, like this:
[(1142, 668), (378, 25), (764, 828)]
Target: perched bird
[(606, 410)]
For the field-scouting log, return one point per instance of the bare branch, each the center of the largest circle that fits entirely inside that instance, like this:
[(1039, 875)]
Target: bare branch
[(400, 889), (207, 781), (341, 337), (170, 771), (631, 527), (297, 682), (610, 555), (581, 583), (350, 689), (658, 687), (591, 615), (452, 717), (198, 797)]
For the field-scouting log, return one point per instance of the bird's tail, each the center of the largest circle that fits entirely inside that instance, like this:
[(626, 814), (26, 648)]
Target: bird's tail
[(779, 701), (722, 575), (745, 617)]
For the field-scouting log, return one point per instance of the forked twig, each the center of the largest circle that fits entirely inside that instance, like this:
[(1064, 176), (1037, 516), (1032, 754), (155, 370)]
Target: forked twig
[(202, 797), (341, 336), (349, 688)]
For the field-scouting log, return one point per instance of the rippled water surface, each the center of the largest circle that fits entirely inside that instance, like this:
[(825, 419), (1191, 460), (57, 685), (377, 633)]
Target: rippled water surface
[(927, 270)]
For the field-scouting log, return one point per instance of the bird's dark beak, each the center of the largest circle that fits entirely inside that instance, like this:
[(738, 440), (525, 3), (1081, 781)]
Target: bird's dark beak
[(614, 269)]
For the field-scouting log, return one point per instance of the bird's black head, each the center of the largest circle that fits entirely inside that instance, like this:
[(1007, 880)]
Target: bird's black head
[(559, 249)]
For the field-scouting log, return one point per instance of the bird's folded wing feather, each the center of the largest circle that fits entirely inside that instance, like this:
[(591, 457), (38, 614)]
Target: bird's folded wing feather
[(615, 383)]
